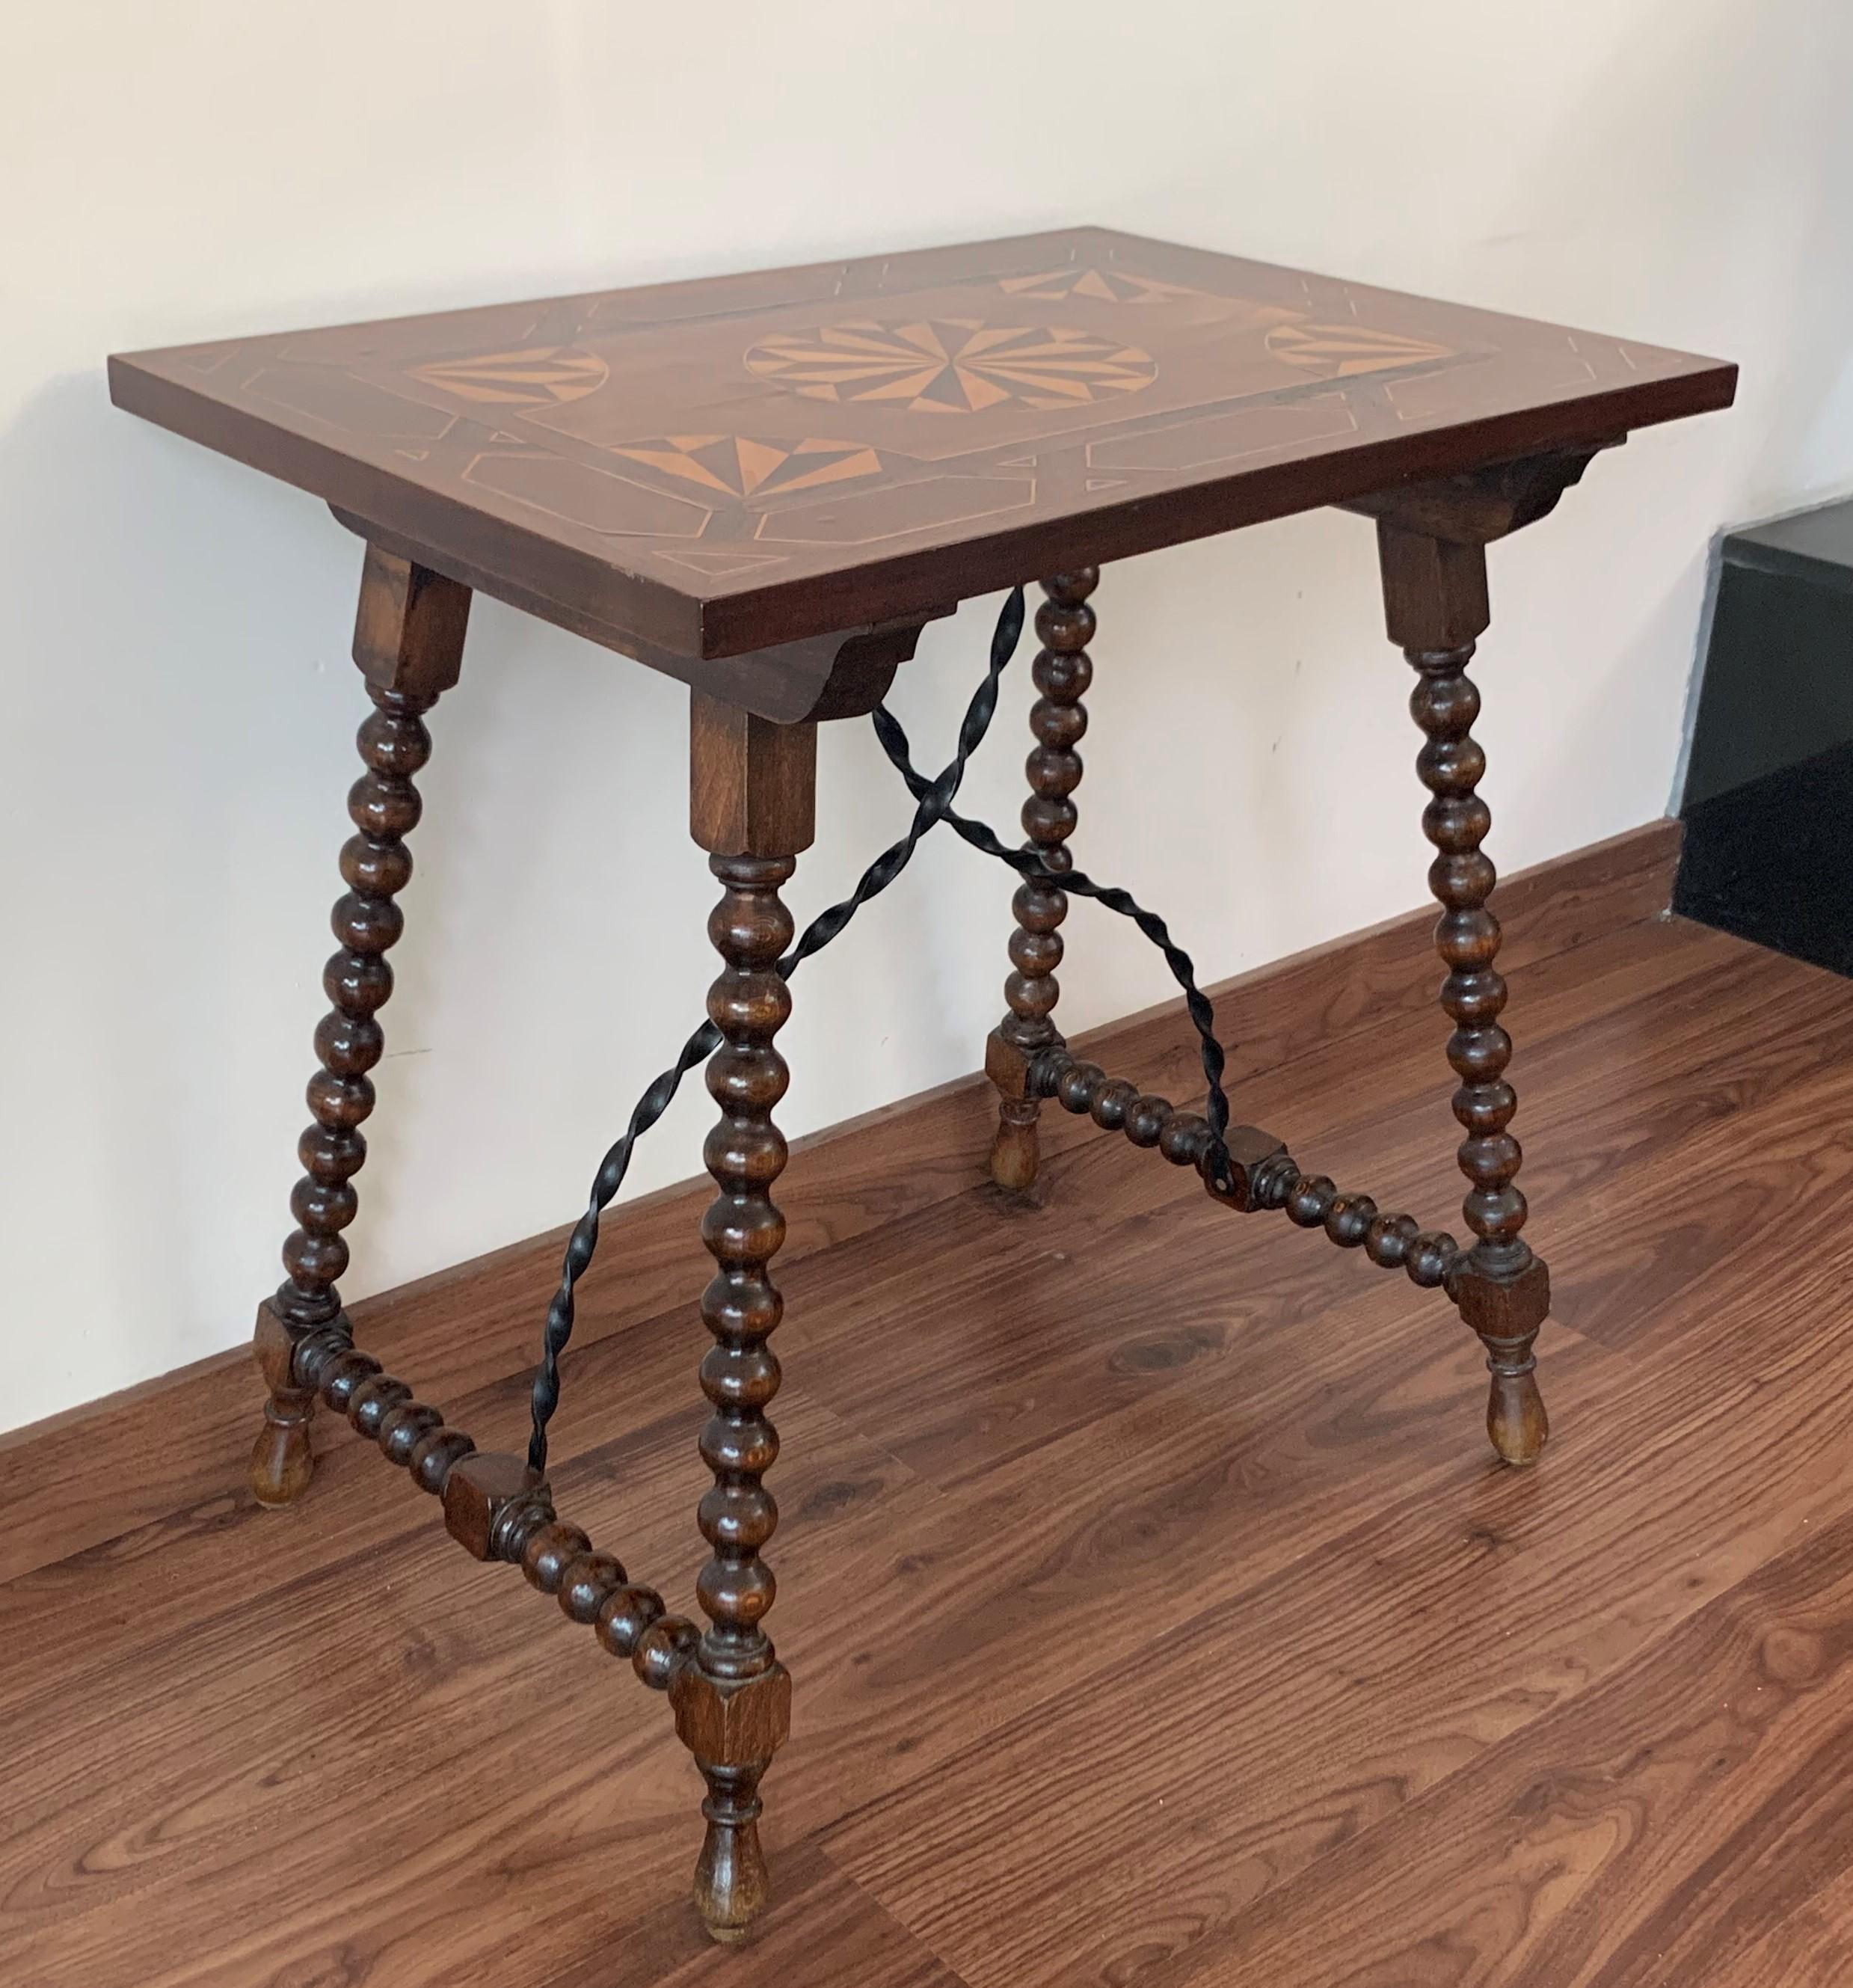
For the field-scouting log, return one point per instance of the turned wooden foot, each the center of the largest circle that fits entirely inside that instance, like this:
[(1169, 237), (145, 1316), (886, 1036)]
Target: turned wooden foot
[(733, 1725), (731, 1883), (1013, 1152), (282, 1463), (1516, 1419)]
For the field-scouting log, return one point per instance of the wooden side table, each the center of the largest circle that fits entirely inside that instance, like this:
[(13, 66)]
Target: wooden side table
[(766, 485)]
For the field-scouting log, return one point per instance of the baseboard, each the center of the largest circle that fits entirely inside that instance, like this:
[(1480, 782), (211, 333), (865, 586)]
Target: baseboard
[(97, 1473)]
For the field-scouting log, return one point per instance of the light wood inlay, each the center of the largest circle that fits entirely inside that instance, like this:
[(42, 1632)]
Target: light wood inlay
[(698, 471)]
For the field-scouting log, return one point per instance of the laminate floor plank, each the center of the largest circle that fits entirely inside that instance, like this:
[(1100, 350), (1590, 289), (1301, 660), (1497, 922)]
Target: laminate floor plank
[(852, 1316), (1654, 1831), (1158, 1616), (58, 1499), (1394, 1659)]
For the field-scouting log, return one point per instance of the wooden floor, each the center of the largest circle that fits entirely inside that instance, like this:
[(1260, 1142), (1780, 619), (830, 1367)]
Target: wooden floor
[(1157, 1613)]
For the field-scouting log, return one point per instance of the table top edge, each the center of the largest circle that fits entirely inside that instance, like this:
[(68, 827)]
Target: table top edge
[(720, 618)]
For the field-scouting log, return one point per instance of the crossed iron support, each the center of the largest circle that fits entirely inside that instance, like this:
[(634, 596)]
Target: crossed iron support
[(934, 804), (729, 1695), (1239, 1164), (500, 1507)]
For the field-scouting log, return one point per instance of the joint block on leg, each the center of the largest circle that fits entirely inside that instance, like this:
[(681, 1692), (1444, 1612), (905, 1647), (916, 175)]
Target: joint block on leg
[(290, 1358), (1501, 1308), (492, 1503), (1007, 1066), (274, 1343), (409, 631), (728, 1722), (1434, 590), (1248, 1146)]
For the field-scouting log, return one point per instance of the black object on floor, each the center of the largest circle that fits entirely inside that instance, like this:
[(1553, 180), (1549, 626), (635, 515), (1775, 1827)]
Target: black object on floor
[(1768, 801), (1772, 860)]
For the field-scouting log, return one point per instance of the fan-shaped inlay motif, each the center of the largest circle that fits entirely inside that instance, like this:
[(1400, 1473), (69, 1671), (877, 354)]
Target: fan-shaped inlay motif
[(541, 376), (1338, 351), (952, 366), (741, 466)]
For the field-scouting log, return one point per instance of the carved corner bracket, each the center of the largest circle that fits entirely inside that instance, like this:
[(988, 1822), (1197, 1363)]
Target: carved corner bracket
[(1483, 505), (843, 675)]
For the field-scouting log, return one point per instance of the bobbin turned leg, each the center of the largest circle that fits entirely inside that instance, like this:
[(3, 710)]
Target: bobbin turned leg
[(752, 787), (1062, 670), (1435, 591), (408, 641)]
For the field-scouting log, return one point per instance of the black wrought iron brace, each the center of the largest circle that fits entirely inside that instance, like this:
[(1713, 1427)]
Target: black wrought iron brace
[(500, 1507), (1263, 1176)]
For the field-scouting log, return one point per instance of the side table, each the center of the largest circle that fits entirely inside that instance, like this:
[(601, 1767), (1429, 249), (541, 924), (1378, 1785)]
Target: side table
[(766, 485)]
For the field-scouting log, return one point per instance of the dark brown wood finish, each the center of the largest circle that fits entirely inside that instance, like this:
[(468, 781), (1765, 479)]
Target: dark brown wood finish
[(408, 643), (752, 787), (1062, 671), (1577, 1725), (1432, 549), (766, 485), (1502, 1289), (825, 457)]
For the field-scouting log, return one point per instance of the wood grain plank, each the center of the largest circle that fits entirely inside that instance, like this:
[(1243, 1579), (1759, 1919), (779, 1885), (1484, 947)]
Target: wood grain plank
[(1117, 1523), (819, 1911), (275, 1729), (852, 1337), (1461, 1615), (1584, 1852), (1157, 1616), (181, 1441)]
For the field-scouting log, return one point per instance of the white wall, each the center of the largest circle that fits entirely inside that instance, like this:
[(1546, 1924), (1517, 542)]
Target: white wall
[(179, 709)]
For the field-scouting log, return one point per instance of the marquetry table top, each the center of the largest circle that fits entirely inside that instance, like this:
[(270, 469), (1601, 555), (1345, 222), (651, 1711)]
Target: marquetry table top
[(709, 468)]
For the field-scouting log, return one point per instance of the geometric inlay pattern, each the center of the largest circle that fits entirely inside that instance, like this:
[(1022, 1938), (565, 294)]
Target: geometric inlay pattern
[(1338, 351), (708, 467), (1107, 286), (742, 467), (542, 376), (952, 366)]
